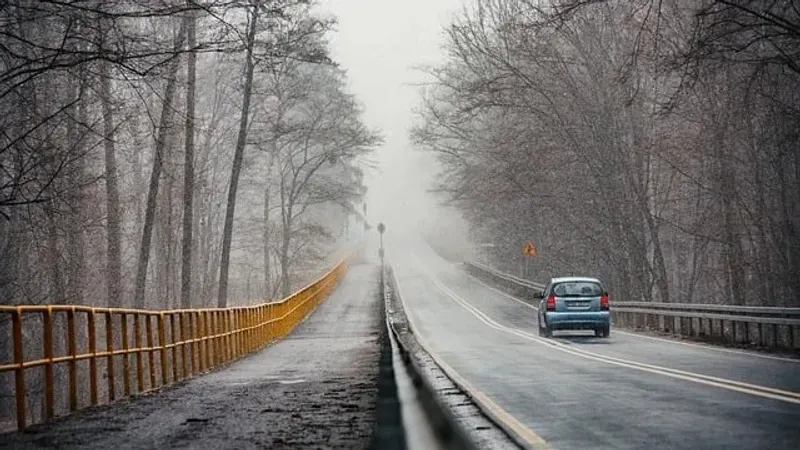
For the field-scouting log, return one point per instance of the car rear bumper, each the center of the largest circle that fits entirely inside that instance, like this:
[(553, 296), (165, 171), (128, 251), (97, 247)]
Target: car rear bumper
[(578, 321)]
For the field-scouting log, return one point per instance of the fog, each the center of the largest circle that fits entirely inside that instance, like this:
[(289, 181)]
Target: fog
[(663, 157), (382, 46)]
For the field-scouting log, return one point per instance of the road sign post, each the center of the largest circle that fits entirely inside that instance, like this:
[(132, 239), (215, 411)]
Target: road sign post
[(381, 229), (528, 250)]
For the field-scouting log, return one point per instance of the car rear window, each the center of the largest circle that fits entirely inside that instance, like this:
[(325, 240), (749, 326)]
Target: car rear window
[(578, 289)]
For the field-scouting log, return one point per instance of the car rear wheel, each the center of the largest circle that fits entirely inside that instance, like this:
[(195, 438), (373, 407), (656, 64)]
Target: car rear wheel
[(603, 332), (544, 331)]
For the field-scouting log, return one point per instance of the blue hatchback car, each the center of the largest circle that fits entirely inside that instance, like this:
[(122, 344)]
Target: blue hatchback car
[(574, 303)]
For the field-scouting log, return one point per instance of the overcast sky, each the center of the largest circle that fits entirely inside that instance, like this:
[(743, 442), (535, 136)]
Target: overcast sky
[(378, 43)]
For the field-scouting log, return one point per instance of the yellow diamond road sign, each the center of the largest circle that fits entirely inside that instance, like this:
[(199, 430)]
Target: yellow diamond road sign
[(529, 249)]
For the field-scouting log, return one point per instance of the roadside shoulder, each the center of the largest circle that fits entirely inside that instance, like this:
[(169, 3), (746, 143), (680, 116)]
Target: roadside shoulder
[(462, 409)]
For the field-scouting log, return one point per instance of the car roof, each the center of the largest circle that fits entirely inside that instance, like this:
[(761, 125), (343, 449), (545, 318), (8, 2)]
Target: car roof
[(569, 279)]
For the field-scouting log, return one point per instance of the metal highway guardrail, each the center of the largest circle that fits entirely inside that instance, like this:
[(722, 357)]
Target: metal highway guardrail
[(448, 433), (146, 349), (760, 325)]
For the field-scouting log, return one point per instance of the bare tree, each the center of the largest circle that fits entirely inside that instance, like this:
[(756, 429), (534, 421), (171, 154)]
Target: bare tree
[(630, 139), (188, 168), (227, 234), (164, 128)]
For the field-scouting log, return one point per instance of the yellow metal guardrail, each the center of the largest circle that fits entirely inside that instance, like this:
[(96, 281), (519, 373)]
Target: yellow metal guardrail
[(165, 346)]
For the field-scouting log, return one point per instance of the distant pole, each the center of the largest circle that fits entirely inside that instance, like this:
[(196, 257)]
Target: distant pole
[(381, 229)]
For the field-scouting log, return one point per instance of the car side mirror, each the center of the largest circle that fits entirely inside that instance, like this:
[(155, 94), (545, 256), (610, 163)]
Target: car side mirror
[(540, 295)]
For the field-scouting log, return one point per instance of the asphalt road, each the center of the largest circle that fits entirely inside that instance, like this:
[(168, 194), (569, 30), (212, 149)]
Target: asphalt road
[(315, 389), (578, 391)]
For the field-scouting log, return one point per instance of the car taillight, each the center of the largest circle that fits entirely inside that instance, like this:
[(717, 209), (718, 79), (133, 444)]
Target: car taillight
[(604, 303), (551, 303)]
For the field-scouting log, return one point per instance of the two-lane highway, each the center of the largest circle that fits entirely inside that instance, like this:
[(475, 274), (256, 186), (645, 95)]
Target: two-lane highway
[(627, 391)]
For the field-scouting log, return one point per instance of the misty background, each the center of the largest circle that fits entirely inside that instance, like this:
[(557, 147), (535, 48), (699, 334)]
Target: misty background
[(179, 154), (384, 47)]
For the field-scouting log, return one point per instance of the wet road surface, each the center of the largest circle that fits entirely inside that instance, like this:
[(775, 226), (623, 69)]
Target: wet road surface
[(315, 389), (578, 391)]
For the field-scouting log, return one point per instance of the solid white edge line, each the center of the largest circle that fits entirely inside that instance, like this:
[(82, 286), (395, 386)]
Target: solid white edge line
[(756, 390), (484, 402)]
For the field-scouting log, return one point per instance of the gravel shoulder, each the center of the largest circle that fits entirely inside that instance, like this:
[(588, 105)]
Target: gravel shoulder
[(315, 389)]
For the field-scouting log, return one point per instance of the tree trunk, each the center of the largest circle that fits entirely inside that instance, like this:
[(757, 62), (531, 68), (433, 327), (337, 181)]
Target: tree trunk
[(734, 254), (286, 285), (286, 234), (227, 236), (57, 290), (114, 220), (169, 243), (267, 265), (188, 168), (152, 194), (76, 242)]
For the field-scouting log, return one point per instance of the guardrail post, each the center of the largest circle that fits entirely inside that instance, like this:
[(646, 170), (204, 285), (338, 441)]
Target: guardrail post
[(220, 335), (774, 337), (202, 334), (223, 337), (215, 338), (92, 325), (266, 321), (126, 362), (236, 334), (206, 339), (19, 371), (110, 358), (194, 324), (261, 319), (183, 316), (270, 316), (227, 316), (249, 318), (258, 322), (173, 339), (162, 341), (72, 348), (226, 345), (47, 323), (254, 332), (151, 357), (137, 342), (261, 331), (248, 332)]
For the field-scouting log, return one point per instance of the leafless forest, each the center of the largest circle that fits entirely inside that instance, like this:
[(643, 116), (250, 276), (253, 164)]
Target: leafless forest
[(168, 153), (165, 154), (652, 143)]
